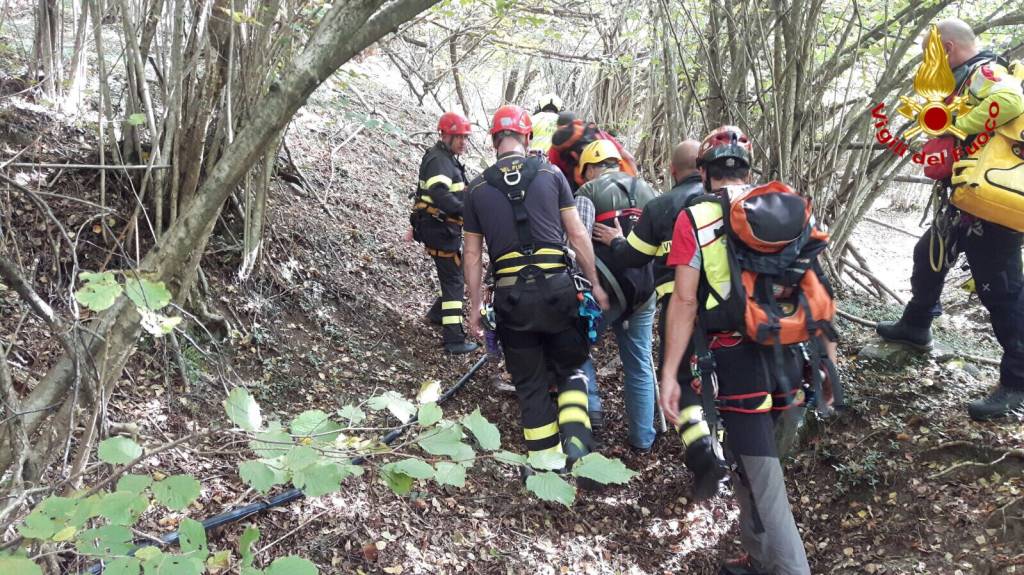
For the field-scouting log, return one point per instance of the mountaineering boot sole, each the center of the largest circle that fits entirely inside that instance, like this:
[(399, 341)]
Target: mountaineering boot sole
[(460, 348), (898, 332), (1001, 403)]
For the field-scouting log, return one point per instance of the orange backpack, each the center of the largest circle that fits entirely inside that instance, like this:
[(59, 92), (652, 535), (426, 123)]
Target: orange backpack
[(777, 296)]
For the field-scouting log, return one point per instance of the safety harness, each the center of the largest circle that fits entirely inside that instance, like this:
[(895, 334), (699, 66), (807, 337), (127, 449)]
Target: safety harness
[(435, 213), (445, 254), (513, 180)]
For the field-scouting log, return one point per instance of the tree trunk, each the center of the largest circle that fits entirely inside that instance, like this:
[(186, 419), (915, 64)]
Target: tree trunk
[(345, 30)]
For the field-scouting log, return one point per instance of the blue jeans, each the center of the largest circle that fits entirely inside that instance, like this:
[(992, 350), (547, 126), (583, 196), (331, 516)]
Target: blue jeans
[(634, 337)]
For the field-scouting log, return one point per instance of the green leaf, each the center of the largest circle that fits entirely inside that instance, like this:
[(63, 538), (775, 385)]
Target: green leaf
[(400, 407), (193, 539), (146, 294), (84, 510), (168, 564), (156, 324), (65, 534), (123, 566), (448, 473), (149, 553), (602, 470), (177, 491), (136, 119), (546, 460), (123, 507), (446, 441), (350, 470), (485, 432), (318, 479), (243, 410), (400, 483), (99, 291), (301, 456), (550, 487), (134, 483), (315, 423), (429, 392), (353, 414), (118, 450), (510, 458), (105, 541), (292, 565), (273, 442), (261, 475), (249, 536), (49, 517), (415, 468), (429, 414), (20, 565)]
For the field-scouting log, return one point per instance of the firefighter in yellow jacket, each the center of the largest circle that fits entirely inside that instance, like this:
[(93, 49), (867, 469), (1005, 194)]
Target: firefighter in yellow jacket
[(545, 120), (993, 250)]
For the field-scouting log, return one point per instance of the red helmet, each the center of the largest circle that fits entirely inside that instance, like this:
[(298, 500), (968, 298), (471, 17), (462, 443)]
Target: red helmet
[(511, 118), (454, 124), (725, 142)]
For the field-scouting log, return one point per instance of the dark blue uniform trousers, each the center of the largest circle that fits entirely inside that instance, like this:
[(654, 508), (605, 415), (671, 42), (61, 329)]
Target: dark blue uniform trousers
[(994, 254)]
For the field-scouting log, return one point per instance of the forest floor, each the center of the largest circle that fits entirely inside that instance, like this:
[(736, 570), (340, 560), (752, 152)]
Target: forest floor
[(902, 482)]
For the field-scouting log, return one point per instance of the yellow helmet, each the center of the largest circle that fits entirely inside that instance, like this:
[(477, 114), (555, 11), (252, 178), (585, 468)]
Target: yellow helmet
[(598, 151)]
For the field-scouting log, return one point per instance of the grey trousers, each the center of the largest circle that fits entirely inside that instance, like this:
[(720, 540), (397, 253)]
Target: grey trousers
[(768, 531)]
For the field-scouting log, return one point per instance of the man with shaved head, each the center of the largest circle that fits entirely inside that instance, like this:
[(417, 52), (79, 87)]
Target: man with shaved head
[(993, 251)]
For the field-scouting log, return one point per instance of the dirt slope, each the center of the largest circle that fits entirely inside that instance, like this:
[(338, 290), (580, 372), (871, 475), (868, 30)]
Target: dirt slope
[(334, 315)]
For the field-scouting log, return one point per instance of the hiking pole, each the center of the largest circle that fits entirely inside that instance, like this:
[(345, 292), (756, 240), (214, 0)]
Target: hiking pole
[(290, 495), (657, 399)]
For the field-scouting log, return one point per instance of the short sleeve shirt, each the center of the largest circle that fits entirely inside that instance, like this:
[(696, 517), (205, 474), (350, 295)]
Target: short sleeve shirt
[(488, 212), (685, 249)]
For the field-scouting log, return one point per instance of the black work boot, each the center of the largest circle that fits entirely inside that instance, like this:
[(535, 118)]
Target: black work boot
[(707, 467), (574, 451), (525, 472), (1000, 403), (901, 332), (460, 347)]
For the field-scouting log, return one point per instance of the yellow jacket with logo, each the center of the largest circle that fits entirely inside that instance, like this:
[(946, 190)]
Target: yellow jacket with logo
[(991, 85), (544, 124)]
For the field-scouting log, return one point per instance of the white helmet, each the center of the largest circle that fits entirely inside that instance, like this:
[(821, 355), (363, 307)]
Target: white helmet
[(551, 99)]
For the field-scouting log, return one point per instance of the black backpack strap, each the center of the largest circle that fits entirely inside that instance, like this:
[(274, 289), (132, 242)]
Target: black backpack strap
[(705, 371), (630, 191), (513, 180)]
